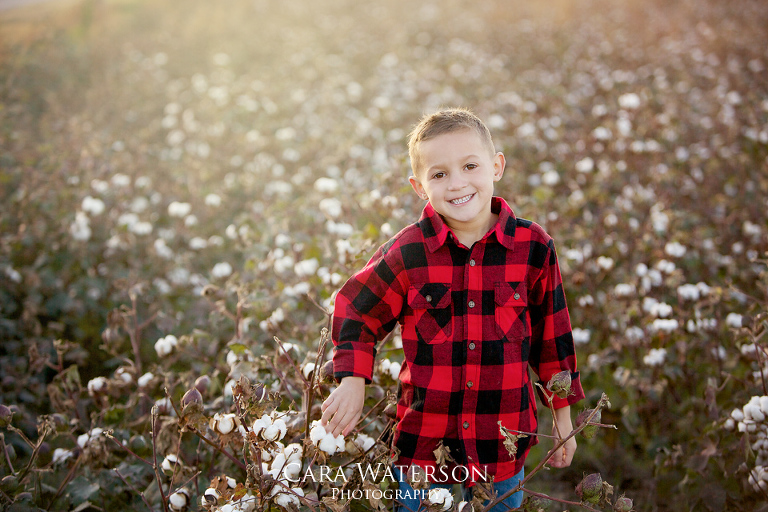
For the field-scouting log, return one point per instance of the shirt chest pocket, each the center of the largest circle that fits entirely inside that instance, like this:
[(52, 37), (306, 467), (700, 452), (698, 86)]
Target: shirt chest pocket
[(512, 311), (432, 311)]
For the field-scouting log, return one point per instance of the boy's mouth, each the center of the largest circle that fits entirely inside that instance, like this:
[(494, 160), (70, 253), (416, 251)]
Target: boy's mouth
[(461, 200)]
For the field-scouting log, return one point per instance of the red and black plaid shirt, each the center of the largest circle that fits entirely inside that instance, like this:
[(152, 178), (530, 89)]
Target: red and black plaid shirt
[(473, 321)]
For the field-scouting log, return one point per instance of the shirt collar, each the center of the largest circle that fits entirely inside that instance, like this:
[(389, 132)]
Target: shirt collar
[(436, 231)]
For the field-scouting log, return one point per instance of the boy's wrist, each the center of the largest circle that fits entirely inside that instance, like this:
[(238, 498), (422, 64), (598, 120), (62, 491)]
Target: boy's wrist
[(353, 380)]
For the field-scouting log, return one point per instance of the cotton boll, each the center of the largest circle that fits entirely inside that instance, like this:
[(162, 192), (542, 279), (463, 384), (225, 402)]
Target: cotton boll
[(755, 413), (292, 469), (278, 462), (308, 369), (169, 463), (223, 423), (293, 451), (271, 433), (340, 443), (260, 424), (328, 444), (394, 370), (178, 500), (286, 500), (317, 433), (441, 497), (281, 427), (97, 385), (764, 404), (364, 442), (211, 493)]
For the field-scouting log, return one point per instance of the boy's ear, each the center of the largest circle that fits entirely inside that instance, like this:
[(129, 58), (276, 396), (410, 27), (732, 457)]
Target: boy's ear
[(499, 162), (417, 187)]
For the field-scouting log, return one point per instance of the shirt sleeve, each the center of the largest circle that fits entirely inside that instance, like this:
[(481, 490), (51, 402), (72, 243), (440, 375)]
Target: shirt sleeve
[(366, 309), (552, 347)]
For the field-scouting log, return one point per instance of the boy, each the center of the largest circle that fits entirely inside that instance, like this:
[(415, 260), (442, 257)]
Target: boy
[(479, 298)]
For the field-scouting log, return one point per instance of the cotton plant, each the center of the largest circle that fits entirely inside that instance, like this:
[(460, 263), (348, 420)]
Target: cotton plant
[(359, 445), (325, 441), (283, 463), (391, 368), (165, 345), (145, 380), (219, 496), (170, 463), (270, 427), (752, 419), (224, 423), (441, 499), (179, 500), (286, 497), (84, 440), (97, 386)]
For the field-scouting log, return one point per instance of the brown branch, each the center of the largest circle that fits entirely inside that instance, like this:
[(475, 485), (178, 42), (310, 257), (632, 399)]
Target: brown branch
[(124, 447), (600, 404), (575, 503), (217, 448), (315, 377), (154, 418)]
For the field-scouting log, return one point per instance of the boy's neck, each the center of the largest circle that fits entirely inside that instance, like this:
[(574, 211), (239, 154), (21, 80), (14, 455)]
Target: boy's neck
[(470, 232)]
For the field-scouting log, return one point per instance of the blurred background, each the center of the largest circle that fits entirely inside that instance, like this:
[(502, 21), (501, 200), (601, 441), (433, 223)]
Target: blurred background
[(214, 171)]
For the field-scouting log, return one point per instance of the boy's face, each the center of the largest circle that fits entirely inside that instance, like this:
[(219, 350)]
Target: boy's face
[(456, 173)]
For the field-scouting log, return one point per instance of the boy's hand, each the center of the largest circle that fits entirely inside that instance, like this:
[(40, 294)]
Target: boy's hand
[(563, 458), (342, 408)]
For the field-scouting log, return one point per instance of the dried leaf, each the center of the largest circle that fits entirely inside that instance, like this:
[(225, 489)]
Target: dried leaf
[(607, 491), (510, 439), (239, 492), (375, 502), (443, 454), (417, 477), (333, 504)]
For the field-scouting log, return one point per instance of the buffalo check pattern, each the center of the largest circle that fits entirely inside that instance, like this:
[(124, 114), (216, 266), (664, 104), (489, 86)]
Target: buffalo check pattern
[(473, 321)]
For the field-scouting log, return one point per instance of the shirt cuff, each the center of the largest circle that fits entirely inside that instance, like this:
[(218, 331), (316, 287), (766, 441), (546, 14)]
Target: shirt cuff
[(352, 363), (576, 394)]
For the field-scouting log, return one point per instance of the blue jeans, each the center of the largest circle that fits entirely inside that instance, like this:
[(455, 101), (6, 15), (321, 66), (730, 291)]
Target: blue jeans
[(407, 496)]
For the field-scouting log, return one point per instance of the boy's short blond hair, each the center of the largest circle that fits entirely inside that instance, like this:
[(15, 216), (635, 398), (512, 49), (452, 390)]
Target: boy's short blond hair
[(442, 122)]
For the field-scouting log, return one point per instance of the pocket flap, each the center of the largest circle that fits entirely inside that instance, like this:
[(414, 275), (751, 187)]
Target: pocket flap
[(511, 294), (429, 295)]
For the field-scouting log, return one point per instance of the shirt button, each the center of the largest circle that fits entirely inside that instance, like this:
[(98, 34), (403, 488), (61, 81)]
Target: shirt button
[(517, 296), (472, 346), (428, 298), (472, 263), (471, 304), (466, 424), (469, 384)]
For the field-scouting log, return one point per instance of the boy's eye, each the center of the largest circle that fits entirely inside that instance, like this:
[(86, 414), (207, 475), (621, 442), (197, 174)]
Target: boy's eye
[(470, 166), (438, 175)]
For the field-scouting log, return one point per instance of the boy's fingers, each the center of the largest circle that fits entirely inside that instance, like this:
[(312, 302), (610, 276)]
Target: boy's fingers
[(339, 422), (328, 408)]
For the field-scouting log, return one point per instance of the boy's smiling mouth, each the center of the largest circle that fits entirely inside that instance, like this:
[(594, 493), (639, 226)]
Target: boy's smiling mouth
[(462, 200)]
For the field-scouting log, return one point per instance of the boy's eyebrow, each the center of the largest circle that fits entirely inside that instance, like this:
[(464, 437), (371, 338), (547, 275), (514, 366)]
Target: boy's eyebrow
[(464, 158)]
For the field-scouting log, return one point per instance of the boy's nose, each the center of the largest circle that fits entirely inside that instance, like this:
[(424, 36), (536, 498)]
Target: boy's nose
[(457, 181)]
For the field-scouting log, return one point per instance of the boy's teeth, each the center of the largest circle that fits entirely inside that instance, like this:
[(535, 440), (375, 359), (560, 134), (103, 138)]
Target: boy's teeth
[(461, 199)]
